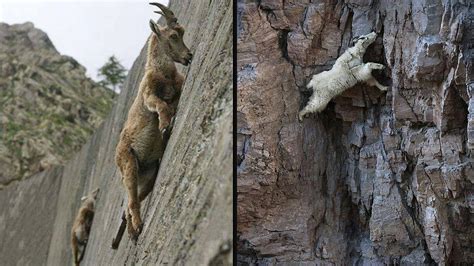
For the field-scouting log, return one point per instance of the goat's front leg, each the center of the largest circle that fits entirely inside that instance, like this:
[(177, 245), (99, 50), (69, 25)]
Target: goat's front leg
[(371, 81), (374, 65), (363, 73), (155, 104), (178, 81), (178, 85)]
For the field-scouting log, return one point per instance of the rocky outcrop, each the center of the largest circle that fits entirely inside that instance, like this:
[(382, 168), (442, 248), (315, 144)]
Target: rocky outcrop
[(377, 178), (188, 216), (49, 108)]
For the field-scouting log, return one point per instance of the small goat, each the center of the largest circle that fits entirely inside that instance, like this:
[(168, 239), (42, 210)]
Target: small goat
[(143, 138), (82, 225), (347, 71)]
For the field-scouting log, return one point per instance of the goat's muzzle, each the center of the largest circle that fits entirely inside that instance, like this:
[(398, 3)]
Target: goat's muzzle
[(188, 59)]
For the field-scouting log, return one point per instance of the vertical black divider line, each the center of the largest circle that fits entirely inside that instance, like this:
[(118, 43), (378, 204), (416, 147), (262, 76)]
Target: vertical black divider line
[(234, 132)]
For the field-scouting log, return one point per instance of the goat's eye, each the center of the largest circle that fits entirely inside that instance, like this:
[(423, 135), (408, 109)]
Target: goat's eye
[(174, 36)]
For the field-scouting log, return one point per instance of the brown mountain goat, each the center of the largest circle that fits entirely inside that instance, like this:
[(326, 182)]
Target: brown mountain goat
[(142, 141), (82, 226)]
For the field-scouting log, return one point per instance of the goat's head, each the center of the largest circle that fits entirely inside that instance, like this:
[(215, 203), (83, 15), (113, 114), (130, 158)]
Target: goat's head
[(171, 36), (365, 40), (90, 199)]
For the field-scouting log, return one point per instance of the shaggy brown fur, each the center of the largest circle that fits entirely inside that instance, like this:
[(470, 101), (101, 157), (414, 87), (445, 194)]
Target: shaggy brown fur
[(142, 141), (82, 226)]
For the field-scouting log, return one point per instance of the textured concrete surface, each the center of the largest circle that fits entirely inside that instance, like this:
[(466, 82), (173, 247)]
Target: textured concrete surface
[(377, 178), (188, 216), (27, 215)]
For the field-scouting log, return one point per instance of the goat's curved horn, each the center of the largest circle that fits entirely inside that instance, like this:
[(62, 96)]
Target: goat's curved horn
[(171, 20)]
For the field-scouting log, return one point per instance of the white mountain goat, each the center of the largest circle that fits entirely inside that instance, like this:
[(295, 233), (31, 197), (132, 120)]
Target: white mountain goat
[(346, 72)]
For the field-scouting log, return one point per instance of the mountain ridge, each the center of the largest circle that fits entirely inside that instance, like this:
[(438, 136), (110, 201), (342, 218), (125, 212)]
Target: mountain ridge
[(49, 107)]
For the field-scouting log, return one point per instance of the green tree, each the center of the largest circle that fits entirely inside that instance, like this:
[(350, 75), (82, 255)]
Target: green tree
[(113, 74)]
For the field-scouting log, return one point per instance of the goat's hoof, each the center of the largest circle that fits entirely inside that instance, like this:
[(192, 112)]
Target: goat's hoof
[(375, 66), (163, 126), (300, 117), (166, 133), (135, 232), (138, 228), (134, 238), (137, 225)]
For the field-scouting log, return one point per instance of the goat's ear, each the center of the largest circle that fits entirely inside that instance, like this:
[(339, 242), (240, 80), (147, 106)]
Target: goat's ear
[(95, 192), (84, 198), (154, 28)]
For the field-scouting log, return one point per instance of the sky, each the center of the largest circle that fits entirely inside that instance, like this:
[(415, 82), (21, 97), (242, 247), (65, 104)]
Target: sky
[(89, 31)]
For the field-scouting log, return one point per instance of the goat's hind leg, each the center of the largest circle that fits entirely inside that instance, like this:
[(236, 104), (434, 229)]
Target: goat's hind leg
[(143, 191), (128, 165), (304, 112), (149, 176), (312, 107), (75, 249), (131, 232)]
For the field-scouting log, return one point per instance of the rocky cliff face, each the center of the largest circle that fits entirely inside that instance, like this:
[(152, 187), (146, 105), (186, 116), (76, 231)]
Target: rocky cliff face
[(188, 216), (377, 178), (49, 108)]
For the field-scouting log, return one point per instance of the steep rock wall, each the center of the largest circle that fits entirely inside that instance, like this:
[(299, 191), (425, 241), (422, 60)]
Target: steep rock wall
[(188, 216), (377, 178)]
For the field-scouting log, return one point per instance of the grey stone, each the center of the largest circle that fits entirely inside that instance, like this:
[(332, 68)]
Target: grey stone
[(376, 178)]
